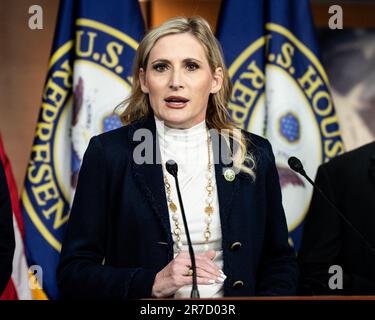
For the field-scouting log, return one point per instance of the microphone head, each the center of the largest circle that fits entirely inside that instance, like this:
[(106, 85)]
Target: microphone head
[(172, 167), (296, 165)]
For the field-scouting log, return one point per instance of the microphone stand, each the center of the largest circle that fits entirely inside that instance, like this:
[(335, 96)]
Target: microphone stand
[(172, 169)]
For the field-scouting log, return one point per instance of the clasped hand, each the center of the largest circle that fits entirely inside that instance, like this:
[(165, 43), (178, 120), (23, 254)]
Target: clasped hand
[(176, 273)]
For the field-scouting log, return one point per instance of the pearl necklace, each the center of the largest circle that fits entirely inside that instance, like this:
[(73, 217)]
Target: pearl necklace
[(209, 210)]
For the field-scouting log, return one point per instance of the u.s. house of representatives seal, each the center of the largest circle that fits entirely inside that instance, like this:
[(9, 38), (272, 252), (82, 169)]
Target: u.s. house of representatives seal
[(288, 101), (95, 66)]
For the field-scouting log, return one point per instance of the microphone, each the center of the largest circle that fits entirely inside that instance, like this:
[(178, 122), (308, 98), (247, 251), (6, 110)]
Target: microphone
[(172, 168), (296, 165)]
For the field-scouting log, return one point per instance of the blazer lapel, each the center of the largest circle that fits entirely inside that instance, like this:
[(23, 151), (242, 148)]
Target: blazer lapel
[(150, 175), (225, 188)]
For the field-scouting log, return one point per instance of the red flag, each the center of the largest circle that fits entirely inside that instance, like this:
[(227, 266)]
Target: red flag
[(18, 285)]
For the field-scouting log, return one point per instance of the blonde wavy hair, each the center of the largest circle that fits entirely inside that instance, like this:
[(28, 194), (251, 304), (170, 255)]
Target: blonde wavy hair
[(137, 106)]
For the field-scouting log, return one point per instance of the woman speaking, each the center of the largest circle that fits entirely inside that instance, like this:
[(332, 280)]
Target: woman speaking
[(126, 237)]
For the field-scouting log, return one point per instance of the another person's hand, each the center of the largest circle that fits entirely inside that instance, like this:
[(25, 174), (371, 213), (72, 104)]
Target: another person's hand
[(175, 274)]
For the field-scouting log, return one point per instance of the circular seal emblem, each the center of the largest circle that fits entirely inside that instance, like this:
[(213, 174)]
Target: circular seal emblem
[(280, 91), (88, 77)]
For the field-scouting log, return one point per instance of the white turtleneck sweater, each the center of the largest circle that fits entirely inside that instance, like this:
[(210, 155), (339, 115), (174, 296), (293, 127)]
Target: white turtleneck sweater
[(188, 147)]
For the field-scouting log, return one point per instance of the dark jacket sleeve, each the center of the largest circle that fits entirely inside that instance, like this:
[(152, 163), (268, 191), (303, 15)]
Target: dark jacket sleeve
[(322, 243), (279, 270), (7, 242), (82, 273)]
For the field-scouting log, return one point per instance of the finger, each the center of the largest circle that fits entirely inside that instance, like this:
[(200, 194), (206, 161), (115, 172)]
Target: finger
[(186, 280), (211, 254), (210, 272), (205, 281), (201, 263), (209, 266), (183, 263), (180, 268), (214, 279)]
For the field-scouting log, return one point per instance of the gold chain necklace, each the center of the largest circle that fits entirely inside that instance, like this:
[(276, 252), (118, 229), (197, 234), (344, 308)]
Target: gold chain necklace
[(208, 210)]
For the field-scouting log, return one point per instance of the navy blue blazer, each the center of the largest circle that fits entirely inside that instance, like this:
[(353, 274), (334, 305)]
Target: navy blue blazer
[(119, 236)]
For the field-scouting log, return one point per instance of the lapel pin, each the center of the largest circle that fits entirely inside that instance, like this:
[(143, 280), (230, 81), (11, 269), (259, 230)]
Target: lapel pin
[(229, 175)]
